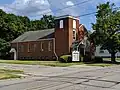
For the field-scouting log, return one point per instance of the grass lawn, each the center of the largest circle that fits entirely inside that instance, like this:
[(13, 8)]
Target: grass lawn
[(45, 63), (117, 59), (100, 64), (53, 63), (7, 74)]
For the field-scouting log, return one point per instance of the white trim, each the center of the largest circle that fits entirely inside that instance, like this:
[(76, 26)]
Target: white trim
[(81, 25), (36, 40), (29, 47), (79, 44), (44, 39), (41, 44), (15, 53), (34, 46), (66, 16), (49, 46), (74, 24), (54, 49), (61, 25), (17, 50)]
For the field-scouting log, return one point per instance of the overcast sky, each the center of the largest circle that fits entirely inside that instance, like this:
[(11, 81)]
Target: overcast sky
[(34, 9)]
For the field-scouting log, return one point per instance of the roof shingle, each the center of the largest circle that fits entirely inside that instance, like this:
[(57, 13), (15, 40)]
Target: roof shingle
[(33, 35)]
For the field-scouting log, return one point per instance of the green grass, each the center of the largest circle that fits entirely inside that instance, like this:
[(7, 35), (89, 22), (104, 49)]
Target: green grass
[(56, 63), (45, 63), (53, 63), (117, 59), (100, 64), (20, 62), (7, 74), (10, 71)]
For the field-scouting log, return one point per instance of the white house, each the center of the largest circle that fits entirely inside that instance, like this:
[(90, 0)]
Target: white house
[(104, 53)]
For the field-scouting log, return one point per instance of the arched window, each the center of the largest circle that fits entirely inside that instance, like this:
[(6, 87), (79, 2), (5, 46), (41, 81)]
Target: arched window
[(35, 46), (74, 24), (41, 46), (61, 23), (49, 46)]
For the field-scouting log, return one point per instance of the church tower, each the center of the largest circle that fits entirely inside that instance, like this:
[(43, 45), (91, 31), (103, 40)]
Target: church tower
[(66, 31)]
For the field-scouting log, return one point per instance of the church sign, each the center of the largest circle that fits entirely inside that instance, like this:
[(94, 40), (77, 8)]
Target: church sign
[(75, 56)]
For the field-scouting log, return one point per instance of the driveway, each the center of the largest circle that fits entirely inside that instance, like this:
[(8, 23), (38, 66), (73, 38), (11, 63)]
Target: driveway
[(63, 78)]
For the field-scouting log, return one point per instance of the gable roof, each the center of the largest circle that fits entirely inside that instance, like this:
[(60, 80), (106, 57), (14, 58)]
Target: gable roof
[(33, 35), (81, 25)]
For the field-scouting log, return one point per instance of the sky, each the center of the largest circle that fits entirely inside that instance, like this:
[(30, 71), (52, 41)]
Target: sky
[(34, 9)]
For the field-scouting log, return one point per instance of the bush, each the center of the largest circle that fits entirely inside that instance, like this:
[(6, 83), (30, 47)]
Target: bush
[(98, 60), (65, 58)]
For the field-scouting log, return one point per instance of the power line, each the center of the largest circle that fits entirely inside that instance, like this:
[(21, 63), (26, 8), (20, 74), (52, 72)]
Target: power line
[(74, 5), (86, 14), (116, 8), (65, 7)]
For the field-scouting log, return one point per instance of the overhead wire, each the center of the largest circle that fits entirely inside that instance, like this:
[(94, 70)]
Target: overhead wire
[(83, 2)]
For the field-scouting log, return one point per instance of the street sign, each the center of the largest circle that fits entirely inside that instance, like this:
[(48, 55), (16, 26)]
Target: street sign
[(75, 56)]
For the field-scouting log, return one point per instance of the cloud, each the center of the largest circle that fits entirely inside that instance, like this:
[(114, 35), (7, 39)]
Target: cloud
[(36, 8), (62, 4), (69, 3), (29, 8)]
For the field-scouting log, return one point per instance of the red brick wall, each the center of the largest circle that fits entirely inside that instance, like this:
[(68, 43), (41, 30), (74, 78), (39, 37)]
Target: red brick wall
[(35, 52), (63, 42), (64, 37), (81, 33)]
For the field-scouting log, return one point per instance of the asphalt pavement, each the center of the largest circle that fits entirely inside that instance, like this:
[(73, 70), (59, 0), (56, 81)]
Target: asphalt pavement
[(38, 77)]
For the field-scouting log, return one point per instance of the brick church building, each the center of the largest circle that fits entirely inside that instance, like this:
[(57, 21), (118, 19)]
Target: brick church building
[(49, 43)]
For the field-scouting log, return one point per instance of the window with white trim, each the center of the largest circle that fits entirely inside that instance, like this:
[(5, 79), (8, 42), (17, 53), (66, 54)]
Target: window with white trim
[(22, 48), (74, 24), (50, 46), (42, 46), (34, 47), (29, 47), (61, 23)]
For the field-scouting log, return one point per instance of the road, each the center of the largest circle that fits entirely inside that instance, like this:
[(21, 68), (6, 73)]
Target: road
[(63, 78)]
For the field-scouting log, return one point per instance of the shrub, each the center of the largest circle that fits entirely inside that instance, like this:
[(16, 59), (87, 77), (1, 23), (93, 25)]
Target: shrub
[(98, 60), (65, 58), (86, 59)]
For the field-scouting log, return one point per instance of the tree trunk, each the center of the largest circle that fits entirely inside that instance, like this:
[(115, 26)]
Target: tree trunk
[(113, 57)]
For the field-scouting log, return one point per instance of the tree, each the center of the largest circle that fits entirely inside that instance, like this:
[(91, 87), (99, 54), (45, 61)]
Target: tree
[(106, 29), (11, 26), (112, 45), (46, 22), (4, 47)]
